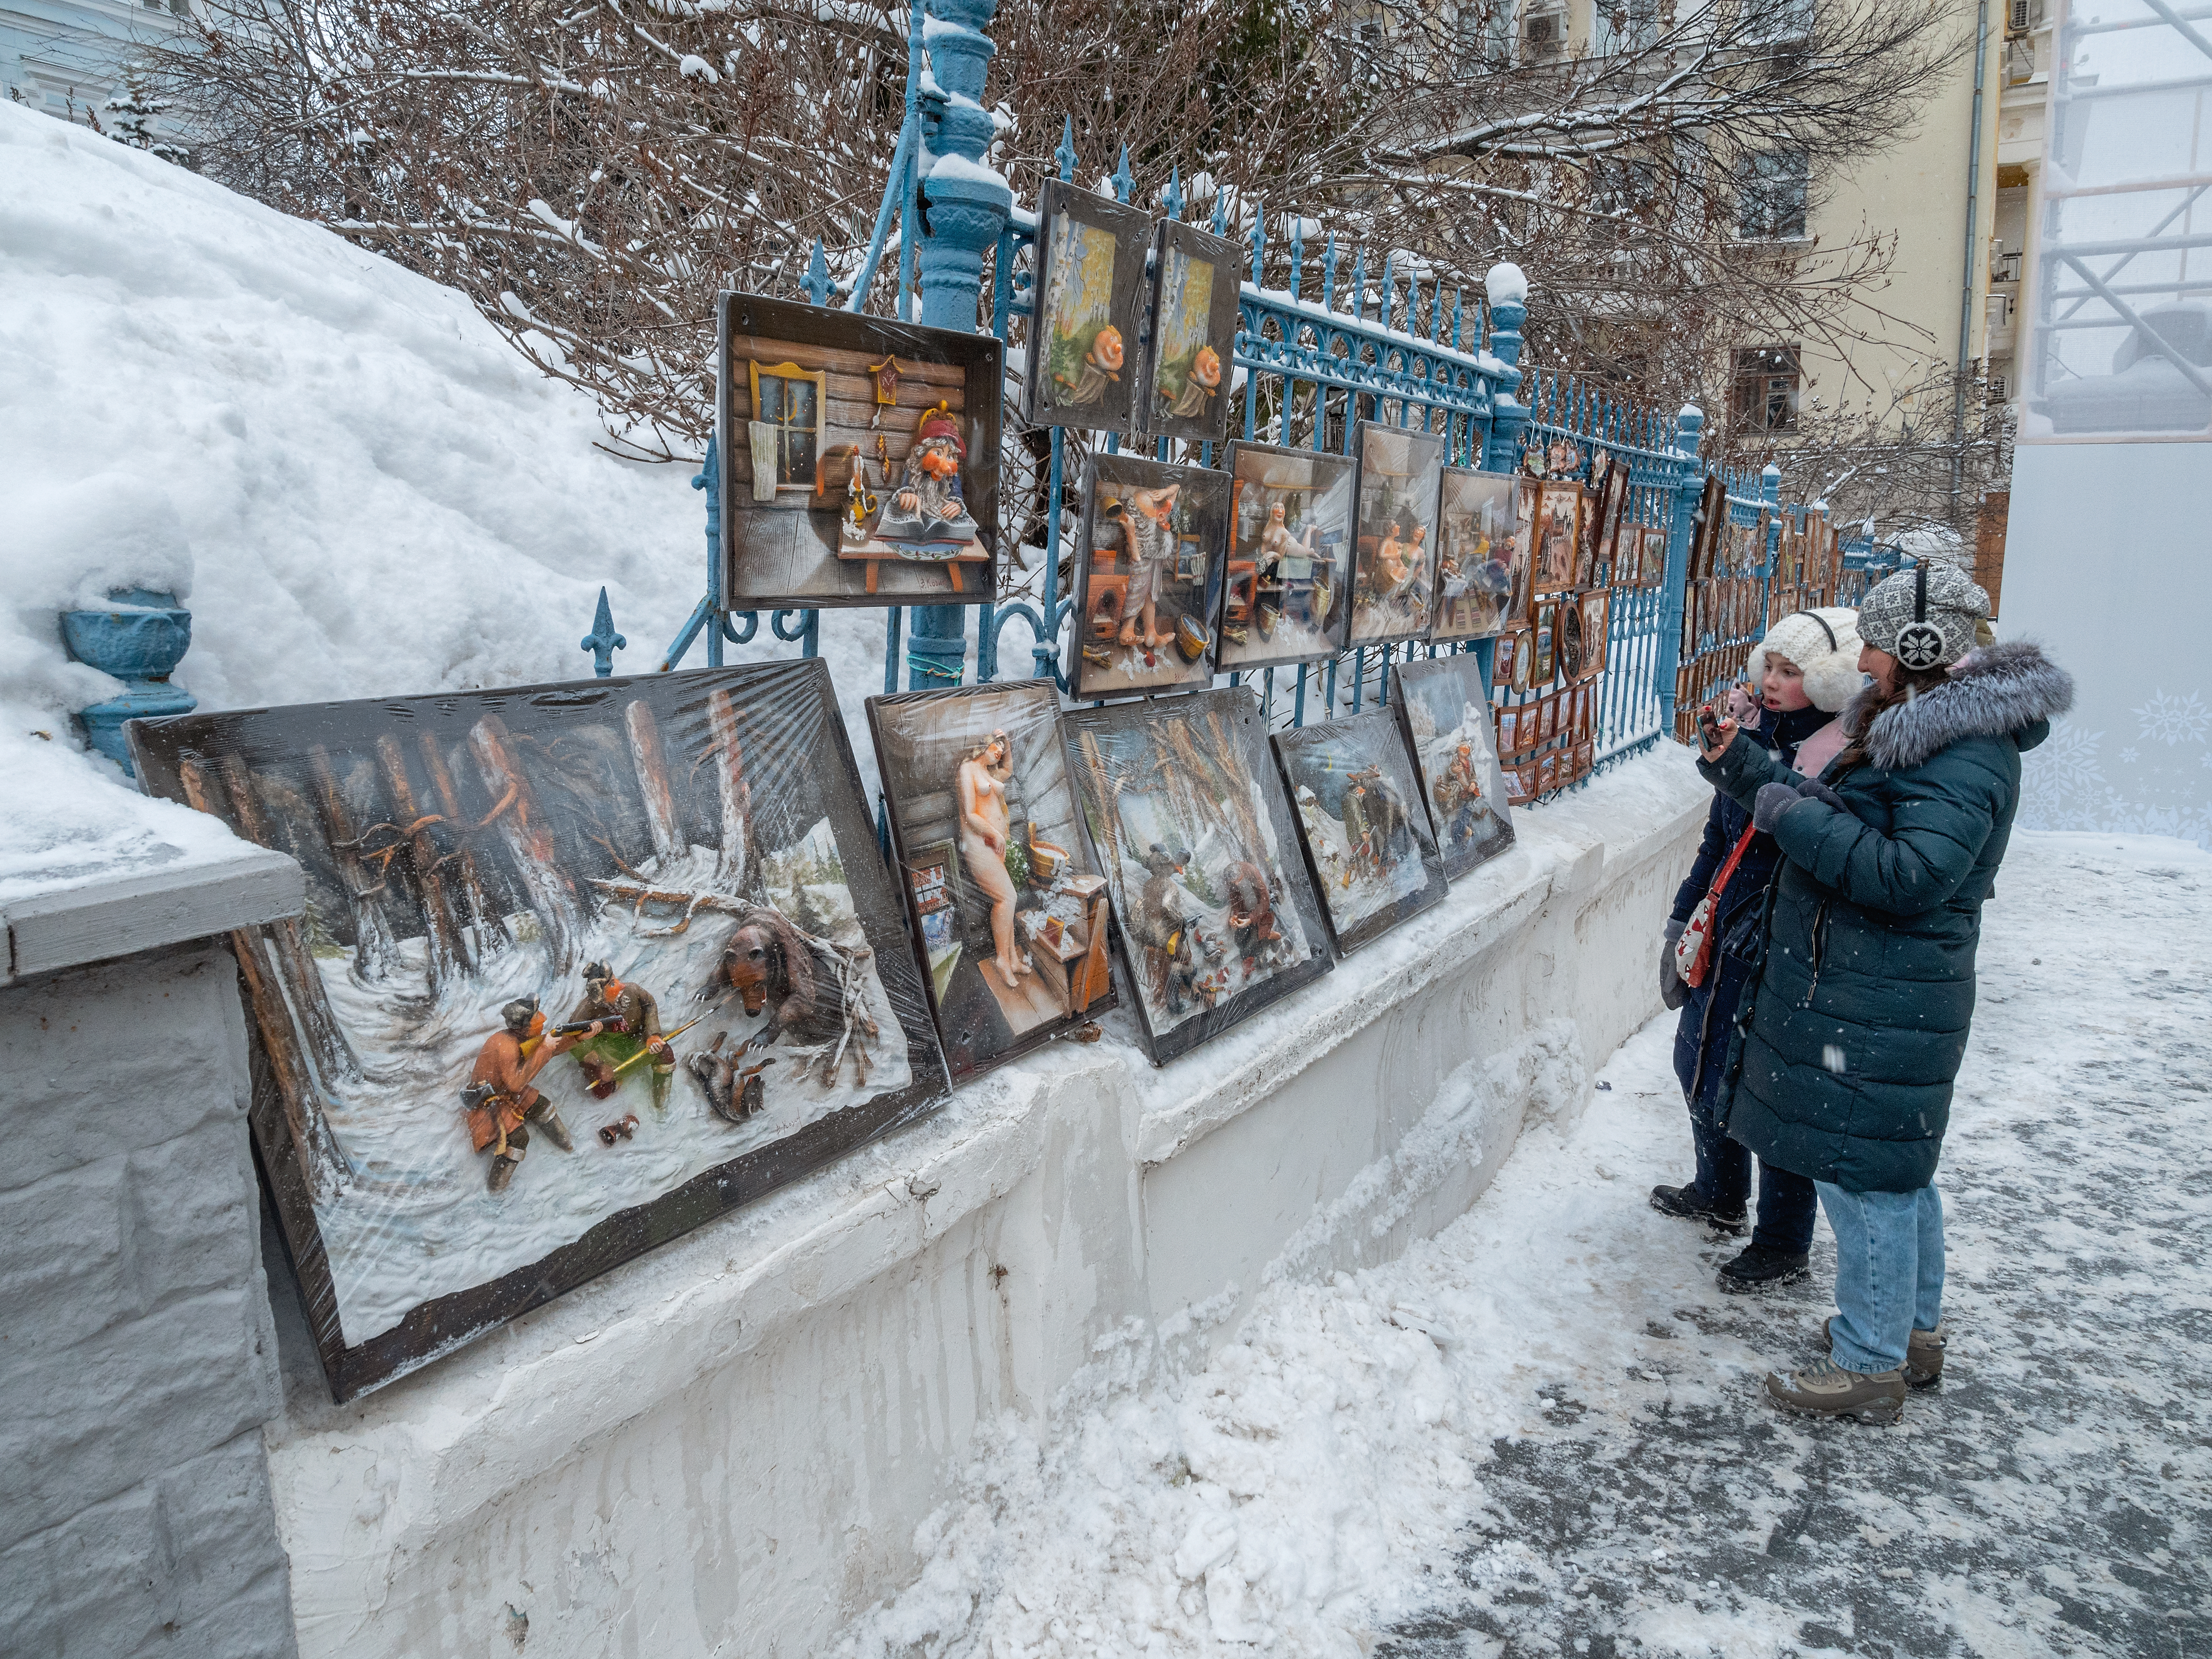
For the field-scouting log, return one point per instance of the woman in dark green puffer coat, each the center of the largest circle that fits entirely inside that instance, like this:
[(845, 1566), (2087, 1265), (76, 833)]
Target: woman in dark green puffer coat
[(1844, 1063)]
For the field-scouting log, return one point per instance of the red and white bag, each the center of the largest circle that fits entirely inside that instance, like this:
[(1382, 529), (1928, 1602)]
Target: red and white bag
[(1693, 951)]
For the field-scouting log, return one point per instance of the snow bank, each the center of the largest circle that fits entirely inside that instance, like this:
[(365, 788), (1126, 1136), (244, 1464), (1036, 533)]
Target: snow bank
[(363, 488)]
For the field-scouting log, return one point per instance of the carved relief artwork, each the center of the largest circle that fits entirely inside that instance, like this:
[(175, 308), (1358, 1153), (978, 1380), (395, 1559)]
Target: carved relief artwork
[(858, 457), (1186, 386), (583, 967), (1150, 551), (1368, 840), (1286, 594), (1482, 554), (1081, 362), (1394, 584)]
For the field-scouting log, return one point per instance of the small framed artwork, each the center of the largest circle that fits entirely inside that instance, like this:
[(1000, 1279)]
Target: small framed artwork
[(1588, 533), (1187, 818), (1010, 918), (1150, 553), (1184, 391), (1654, 555), (1585, 756), (1597, 619), (1573, 657), (1559, 527), (1456, 752), (1521, 785), (1090, 308), (1548, 726), (589, 965), (1542, 654), (1547, 771), (1509, 731), (1367, 839), (858, 456), (1393, 573), (1612, 513), (1482, 555), (1712, 523), (1287, 593), (1508, 667)]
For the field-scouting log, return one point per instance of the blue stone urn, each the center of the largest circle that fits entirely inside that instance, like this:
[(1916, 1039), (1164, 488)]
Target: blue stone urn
[(141, 647)]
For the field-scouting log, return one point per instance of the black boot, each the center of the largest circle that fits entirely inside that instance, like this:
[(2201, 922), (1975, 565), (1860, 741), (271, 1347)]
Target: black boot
[(1761, 1268), (1694, 1205)]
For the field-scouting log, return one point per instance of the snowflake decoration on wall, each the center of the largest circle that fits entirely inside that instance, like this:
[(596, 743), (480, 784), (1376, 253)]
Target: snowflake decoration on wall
[(2128, 756), (2062, 779), (2173, 721)]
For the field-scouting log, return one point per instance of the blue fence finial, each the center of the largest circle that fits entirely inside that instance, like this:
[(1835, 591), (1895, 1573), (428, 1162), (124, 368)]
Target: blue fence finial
[(1389, 285), (1298, 249), (817, 276), (603, 642), (1459, 308), (1123, 182), (1220, 210), (1259, 239), (1173, 197), (1359, 282), (1328, 276), (1065, 153)]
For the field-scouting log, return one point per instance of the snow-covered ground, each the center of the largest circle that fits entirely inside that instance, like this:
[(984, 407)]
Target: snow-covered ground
[(1542, 1431)]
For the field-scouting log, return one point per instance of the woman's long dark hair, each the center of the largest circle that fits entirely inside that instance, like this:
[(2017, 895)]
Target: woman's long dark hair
[(1859, 715)]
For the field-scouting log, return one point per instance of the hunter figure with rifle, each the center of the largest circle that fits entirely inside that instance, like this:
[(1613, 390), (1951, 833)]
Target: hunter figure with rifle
[(500, 1101)]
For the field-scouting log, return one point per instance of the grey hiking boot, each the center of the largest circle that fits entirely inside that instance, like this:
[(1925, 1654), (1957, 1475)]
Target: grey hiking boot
[(1923, 1354), (1825, 1389)]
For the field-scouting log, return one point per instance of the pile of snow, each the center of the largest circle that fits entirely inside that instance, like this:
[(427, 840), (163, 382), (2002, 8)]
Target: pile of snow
[(361, 488)]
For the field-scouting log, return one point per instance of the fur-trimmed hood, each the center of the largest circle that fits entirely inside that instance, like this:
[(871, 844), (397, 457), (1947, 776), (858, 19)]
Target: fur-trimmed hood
[(1998, 688)]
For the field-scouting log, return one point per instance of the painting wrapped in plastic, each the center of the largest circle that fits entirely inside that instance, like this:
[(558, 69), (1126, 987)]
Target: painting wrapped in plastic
[(1009, 910), (1454, 748), (1369, 844), (1148, 576), (1189, 824), (582, 967), (1081, 364)]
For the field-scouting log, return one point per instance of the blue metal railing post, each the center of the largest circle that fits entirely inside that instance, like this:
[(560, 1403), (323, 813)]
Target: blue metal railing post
[(1689, 485), (964, 211)]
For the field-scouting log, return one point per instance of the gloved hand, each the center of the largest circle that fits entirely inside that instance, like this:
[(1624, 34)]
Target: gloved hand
[(1820, 792), (1672, 991), (1767, 806)]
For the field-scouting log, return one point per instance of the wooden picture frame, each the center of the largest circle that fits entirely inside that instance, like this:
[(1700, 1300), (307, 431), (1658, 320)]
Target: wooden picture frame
[(1597, 621), (702, 835), (1482, 565), (1368, 844), (1458, 755), (1393, 564), (1286, 597), (1558, 531), (894, 405), (1184, 389), (1152, 539), (1081, 367), (1542, 655)]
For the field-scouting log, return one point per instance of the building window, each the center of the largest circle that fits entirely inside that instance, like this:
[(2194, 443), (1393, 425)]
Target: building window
[(1765, 398), (1626, 25), (1484, 31), (1770, 191)]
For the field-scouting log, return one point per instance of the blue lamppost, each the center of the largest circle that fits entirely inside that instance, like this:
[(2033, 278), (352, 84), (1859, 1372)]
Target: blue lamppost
[(964, 206)]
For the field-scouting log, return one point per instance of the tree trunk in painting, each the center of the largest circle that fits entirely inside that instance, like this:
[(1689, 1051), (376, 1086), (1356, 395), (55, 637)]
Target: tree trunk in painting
[(444, 950), (333, 1056), (487, 933), (651, 761), (375, 950), (736, 867), (530, 843), (313, 1144)]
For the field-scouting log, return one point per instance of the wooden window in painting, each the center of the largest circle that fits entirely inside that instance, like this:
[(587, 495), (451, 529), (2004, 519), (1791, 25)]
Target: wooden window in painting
[(790, 404)]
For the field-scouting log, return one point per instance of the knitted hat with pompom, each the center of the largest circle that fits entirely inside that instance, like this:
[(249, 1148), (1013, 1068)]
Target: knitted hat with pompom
[(1825, 646)]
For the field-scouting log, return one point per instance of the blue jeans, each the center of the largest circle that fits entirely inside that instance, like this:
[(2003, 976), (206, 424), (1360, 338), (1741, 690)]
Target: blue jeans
[(1786, 1203), (1889, 1272)]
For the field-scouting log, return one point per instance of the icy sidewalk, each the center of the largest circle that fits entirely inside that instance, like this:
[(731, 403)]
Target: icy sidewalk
[(1542, 1432)]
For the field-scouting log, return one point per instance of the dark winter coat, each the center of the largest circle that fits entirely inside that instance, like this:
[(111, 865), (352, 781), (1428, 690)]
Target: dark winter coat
[(1709, 1011), (1843, 1069)]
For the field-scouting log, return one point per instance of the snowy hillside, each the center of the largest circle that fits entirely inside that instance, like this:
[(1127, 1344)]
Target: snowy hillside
[(361, 488)]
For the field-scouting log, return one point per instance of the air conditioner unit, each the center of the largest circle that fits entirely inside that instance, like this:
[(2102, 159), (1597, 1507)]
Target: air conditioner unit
[(1998, 392), (1544, 33)]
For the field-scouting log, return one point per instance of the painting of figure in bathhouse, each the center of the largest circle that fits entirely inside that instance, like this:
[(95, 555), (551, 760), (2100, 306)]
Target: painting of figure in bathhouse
[(1009, 915), (1366, 835), (1148, 583), (582, 966), (1454, 748), (1482, 562), (1287, 597), (1081, 367), (1395, 573), (1187, 817)]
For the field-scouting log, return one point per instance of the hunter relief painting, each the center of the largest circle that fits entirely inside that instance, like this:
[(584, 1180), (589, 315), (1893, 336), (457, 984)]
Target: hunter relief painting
[(1148, 576), (1089, 283), (1394, 575), (1366, 835), (583, 966), (1482, 561), (1194, 290), (1287, 597), (1454, 748), (858, 457), (1006, 911), (1189, 825)]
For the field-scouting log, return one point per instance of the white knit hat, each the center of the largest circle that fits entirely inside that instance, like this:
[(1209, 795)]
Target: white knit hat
[(1825, 646)]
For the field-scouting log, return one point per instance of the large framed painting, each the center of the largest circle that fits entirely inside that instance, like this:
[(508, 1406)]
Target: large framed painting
[(1367, 839), (584, 966), (1188, 823), (1149, 554), (1287, 598), (859, 457), (1557, 533), (1394, 577), (1184, 392), (1009, 915), (1090, 310), (1482, 561)]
